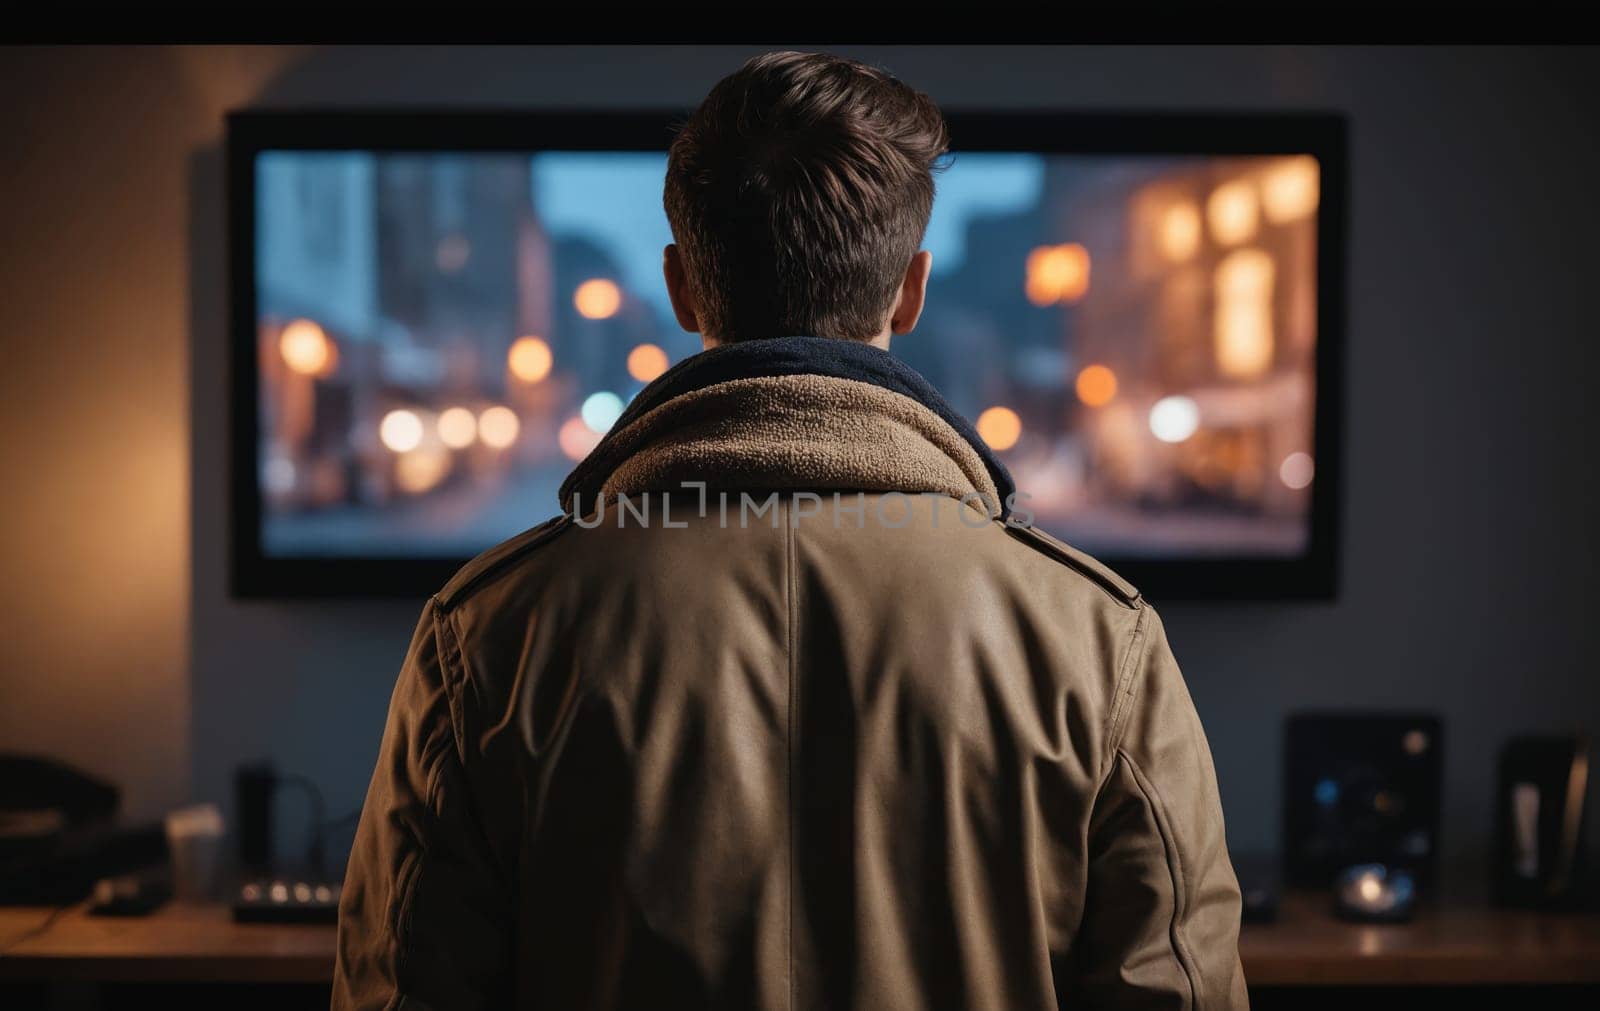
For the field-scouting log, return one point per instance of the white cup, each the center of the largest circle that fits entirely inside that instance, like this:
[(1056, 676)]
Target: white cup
[(194, 839)]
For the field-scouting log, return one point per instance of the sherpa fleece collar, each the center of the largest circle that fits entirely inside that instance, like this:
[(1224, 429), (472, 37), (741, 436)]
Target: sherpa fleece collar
[(792, 413)]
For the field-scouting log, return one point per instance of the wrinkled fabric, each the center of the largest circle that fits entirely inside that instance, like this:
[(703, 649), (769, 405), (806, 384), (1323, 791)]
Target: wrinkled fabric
[(897, 754)]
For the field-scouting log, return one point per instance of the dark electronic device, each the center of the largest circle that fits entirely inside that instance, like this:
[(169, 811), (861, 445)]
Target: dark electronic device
[(282, 900), (30, 783), (1361, 788), (1539, 837), (256, 789), (58, 836), (67, 871), (131, 894), (1374, 893), (253, 789)]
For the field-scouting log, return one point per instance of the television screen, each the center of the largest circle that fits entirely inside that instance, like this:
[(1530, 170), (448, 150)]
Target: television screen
[(439, 331)]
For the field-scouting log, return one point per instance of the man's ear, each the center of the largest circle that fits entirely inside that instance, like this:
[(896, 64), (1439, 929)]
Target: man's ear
[(913, 294), (678, 289)]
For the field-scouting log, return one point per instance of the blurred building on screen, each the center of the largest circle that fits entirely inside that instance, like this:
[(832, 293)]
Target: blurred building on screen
[(441, 336)]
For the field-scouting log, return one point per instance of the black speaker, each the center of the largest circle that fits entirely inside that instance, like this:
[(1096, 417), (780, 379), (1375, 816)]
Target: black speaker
[(253, 788), (1361, 788)]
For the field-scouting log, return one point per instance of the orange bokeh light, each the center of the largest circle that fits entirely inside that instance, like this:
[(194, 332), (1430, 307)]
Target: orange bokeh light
[(1232, 212), (529, 359), (1057, 274), (1180, 232), (458, 427), (1097, 385), (420, 470), (597, 298), (306, 348), (1000, 427), (1244, 337), (1291, 191), (646, 362), (498, 427)]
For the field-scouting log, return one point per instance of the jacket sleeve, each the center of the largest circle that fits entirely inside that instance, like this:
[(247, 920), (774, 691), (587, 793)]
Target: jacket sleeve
[(1161, 914), (423, 916)]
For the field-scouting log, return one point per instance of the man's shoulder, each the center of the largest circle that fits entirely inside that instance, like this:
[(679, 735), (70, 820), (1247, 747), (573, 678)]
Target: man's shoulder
[(1079, 565), (499, 562)]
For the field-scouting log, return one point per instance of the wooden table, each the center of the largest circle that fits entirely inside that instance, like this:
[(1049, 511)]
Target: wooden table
[(1448, 946), (1444, 946), (179, 943)]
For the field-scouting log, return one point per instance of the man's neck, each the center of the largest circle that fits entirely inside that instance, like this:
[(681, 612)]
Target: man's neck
[(879, 341)]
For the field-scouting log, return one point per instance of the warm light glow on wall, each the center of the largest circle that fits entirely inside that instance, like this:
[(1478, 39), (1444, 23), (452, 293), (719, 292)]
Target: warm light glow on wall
[(646, 362), (577, 439), (1232, 212), (1291, 189), (401, 430), (1057, 274), (1180, 232), (498, 427), (597, 298), (1244, 336), (1000, 428), (458, 427), (529, 359), (1096, 385), (306, 348), (421, 469)]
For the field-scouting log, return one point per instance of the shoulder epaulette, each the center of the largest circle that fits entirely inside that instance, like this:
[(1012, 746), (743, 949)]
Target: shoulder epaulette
[(1087, 565), (484, 567)]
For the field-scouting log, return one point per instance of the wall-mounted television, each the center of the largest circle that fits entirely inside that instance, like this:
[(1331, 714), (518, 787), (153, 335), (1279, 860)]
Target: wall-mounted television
[(436, 314)]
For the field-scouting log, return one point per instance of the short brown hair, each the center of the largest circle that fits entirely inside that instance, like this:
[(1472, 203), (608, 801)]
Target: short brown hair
[(798, 192)]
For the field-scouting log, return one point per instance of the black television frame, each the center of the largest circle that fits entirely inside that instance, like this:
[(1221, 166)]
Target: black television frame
[(1313, 575)]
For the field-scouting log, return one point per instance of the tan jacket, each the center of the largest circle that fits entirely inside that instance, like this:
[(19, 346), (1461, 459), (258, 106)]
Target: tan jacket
[(881, 750)]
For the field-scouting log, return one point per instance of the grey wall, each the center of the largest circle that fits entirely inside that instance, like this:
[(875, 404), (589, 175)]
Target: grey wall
[(1468, 553)]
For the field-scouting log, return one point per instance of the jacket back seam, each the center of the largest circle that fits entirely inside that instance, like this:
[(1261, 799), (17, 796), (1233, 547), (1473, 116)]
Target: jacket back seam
[(792, 592), (1180, 895)]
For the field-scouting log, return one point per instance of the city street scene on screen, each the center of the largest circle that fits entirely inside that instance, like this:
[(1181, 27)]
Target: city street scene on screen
[(441, 336)]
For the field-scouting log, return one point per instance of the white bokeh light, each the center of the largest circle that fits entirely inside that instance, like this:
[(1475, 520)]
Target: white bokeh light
[(1174, 419), (401, 430), (1297, 470), (601, 410), (278, 476)]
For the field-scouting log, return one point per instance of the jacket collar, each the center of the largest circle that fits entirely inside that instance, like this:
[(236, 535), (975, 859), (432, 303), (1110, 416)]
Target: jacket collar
[(791, 413)]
